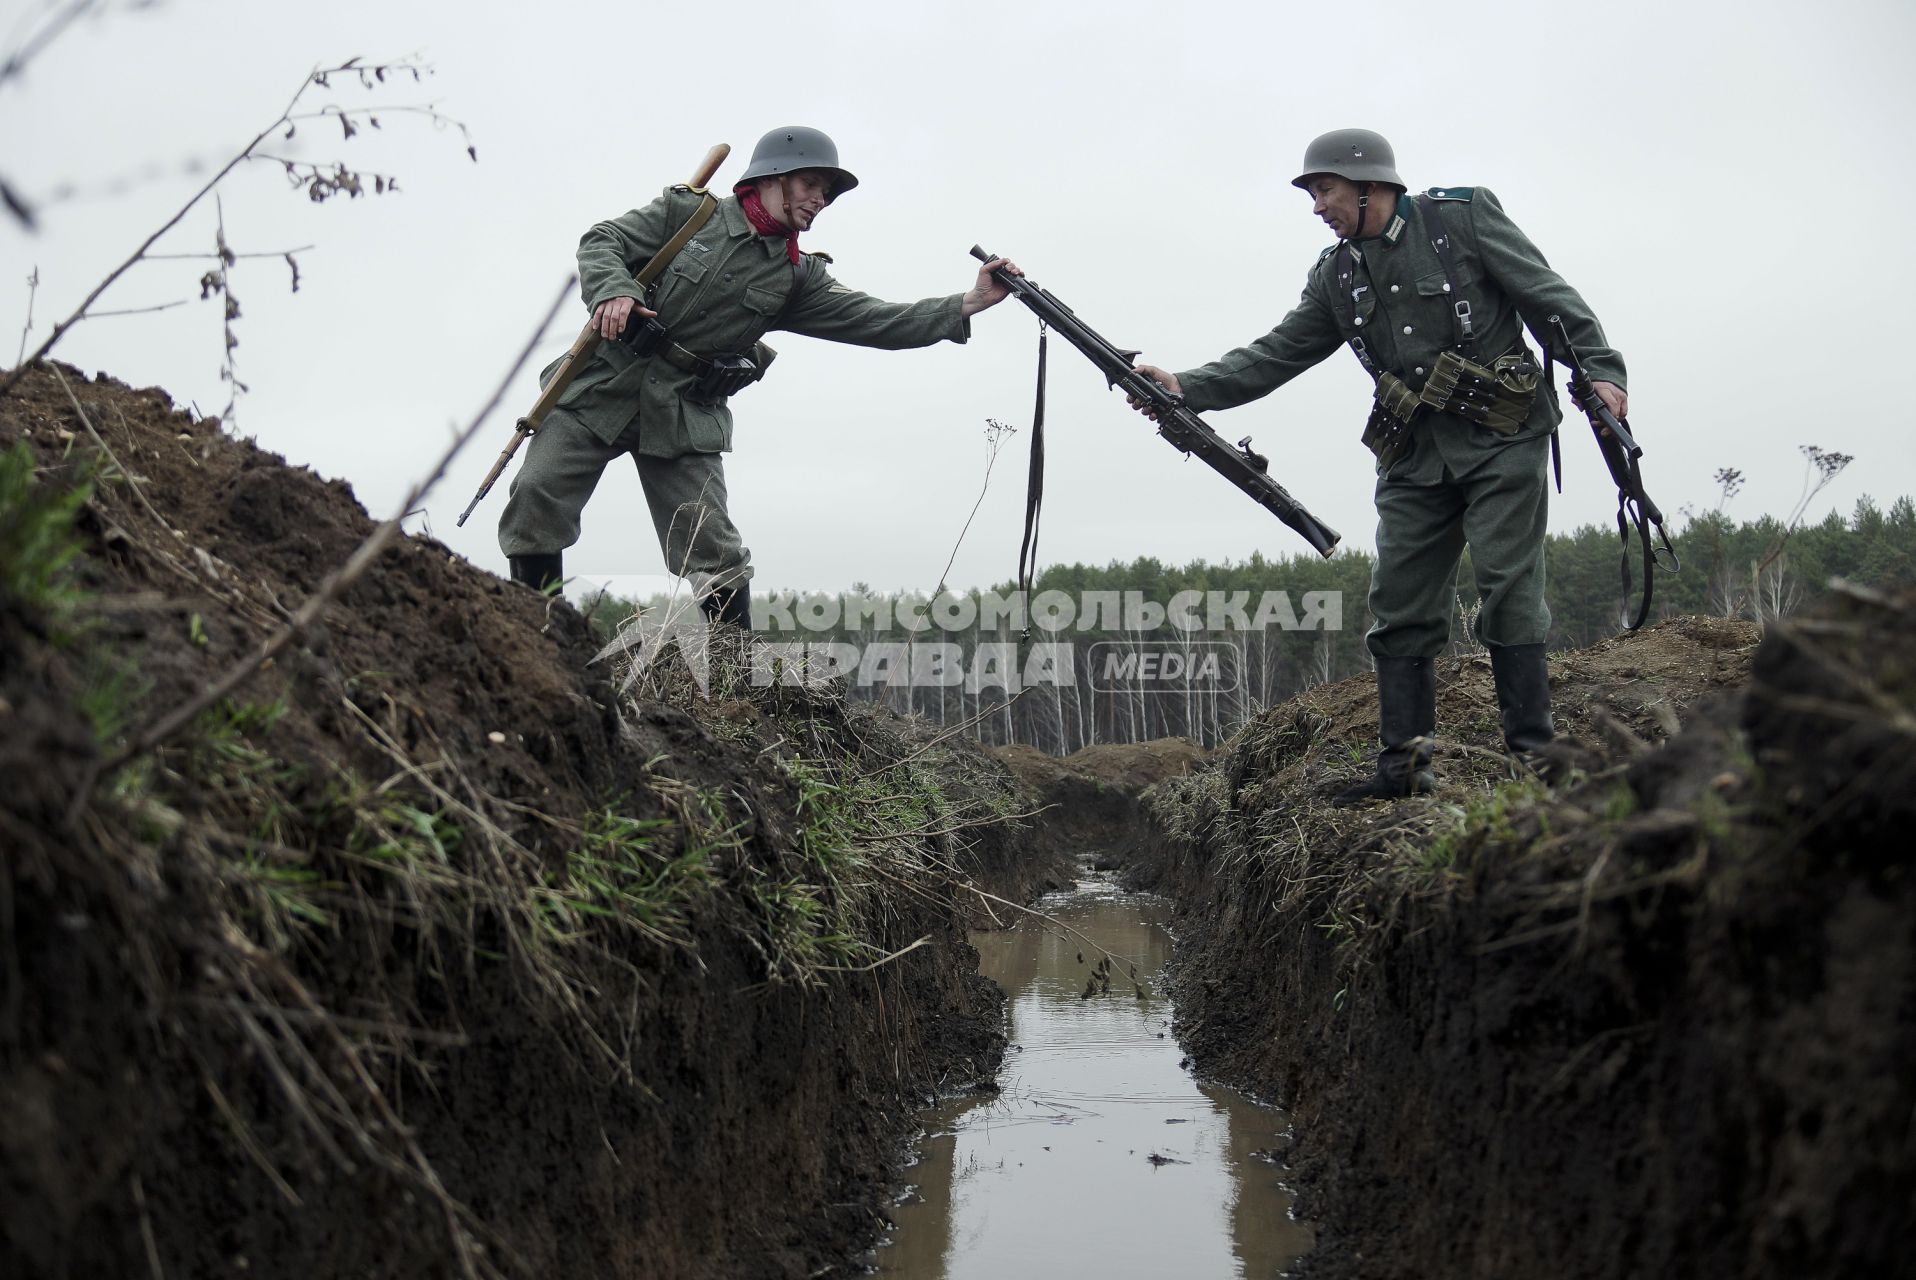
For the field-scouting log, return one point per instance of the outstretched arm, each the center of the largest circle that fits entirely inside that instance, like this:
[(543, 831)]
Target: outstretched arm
[(1301, 339)]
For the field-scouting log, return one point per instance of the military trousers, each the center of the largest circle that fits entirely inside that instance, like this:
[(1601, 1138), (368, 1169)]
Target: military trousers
[(686, 495), (1499, 509)]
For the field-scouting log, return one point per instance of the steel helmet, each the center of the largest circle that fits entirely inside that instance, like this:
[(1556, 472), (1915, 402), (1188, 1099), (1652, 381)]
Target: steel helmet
[(796, 147), (1356, 154)]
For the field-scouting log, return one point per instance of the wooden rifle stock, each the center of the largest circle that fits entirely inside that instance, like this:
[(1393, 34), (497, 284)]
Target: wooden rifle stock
[(574, 360)]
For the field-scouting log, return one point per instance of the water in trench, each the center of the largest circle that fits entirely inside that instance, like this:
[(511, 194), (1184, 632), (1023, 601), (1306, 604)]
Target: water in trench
[(1101, 1155)]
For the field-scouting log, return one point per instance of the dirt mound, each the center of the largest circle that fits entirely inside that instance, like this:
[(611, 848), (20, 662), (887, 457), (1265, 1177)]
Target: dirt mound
[(1617, 695), (1090, 799), (1655, 1022), (431, 951)]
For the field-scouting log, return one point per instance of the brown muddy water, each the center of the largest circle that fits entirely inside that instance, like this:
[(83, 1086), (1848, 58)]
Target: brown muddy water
[(1100, 1155)]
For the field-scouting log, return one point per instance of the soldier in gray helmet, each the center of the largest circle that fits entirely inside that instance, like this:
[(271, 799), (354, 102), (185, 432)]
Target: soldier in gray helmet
[(658, 386), (1432, 294)]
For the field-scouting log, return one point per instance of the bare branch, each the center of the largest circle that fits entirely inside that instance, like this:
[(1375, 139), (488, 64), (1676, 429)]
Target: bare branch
[(314, 78), (33, 288), (995, 433), (208, 257), (130, 311), (218, 281)]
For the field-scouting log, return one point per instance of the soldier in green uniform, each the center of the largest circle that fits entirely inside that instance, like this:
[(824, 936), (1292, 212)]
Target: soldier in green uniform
[(739, 276), (1432, 293)]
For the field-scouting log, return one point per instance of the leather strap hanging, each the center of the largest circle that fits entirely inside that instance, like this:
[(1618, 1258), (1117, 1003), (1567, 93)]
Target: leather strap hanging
[(588, 340), (1034, 492), (1462, 321), (655, 266)]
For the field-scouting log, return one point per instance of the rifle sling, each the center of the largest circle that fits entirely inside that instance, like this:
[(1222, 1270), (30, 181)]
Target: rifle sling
[(655, 266), (586, 344), (1034, 491), (1634, 508), (1631, 495)]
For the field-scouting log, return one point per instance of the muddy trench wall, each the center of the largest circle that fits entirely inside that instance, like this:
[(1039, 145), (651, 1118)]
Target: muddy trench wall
[(437, 952), (751, 1137), (1660, 1023)]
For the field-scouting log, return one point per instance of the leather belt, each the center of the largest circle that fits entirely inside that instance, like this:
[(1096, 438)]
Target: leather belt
[(686, 361)]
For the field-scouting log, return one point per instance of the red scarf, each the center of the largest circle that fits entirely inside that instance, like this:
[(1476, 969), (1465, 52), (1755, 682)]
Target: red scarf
[(762, 222)]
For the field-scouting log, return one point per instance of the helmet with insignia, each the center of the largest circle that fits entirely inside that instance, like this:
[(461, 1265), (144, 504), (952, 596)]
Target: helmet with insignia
[(796, 147), (1355, 154)]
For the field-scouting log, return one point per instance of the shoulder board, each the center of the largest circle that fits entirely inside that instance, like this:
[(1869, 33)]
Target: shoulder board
[(1327, 253), (1451, 193), (821, 256)]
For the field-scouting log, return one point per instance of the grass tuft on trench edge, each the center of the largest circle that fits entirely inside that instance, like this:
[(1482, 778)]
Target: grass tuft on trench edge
[(242, 870)]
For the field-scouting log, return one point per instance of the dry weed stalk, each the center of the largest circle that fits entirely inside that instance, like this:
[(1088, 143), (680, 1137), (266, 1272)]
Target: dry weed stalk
[(318, 181)]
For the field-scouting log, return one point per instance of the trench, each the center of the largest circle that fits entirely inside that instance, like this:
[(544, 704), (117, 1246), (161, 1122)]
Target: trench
[(1100, 1154)]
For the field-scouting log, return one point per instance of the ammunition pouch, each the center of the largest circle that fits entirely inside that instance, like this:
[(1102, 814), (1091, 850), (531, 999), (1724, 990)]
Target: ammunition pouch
[(1498, 397), (643, 335), (724, 376), (717, 377), (1387, 431)]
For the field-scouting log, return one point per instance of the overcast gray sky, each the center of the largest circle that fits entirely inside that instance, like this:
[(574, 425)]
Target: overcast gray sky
[(1727, 183)]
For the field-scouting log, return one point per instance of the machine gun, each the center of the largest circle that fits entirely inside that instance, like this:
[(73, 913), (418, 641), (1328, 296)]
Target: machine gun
[(1623, 455), (1186, 431)]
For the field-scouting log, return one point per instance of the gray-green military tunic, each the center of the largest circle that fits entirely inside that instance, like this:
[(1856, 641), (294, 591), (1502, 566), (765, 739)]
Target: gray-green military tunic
[(724, 290), (1459, 482)]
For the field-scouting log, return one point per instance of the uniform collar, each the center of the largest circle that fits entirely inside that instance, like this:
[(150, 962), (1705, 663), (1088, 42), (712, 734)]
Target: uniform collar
[(1392, 233), (1399, 223), (733, 218)]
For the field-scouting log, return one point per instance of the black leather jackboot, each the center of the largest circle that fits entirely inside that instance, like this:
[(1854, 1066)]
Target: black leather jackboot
[(1522, 674), (1406, 719), (730, 605), (539, 572)]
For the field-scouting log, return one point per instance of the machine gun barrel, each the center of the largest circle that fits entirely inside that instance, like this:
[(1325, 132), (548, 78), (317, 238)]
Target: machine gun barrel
[(1186, 432)]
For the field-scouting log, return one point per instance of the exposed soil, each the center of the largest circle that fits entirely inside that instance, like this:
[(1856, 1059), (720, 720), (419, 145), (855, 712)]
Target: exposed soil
[(1657, 1022), (325, 984), (1092, 799), (437, 951)]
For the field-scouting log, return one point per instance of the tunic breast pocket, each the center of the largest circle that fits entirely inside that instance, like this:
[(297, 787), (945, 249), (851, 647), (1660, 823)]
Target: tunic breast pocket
[(758, 308), (682, 280), (1433, 286), (1435, 291), (766, 302)]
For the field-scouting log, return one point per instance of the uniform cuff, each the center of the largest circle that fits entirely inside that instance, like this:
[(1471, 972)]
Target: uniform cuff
[(1193, 384), (960, 331), (614, 291), (1601, 370)]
